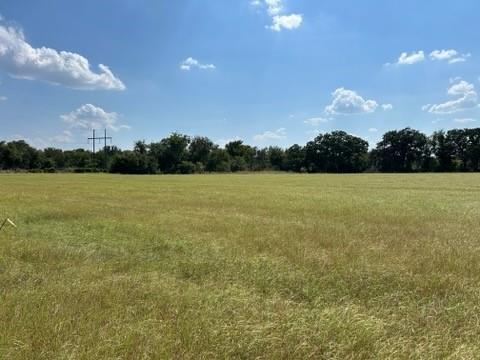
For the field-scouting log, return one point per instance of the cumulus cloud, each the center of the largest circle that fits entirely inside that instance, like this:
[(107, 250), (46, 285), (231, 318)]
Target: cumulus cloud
[(410, 59), (289, 22), (387, 107), (89, 117), (22, 60), (347, 102), (468, 99), (191, 63), (271, 135), (276, 10), (451, 56), (274, 7)]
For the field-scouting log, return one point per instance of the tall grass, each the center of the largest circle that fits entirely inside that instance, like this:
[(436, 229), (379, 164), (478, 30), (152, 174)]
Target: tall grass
[(240, 266)]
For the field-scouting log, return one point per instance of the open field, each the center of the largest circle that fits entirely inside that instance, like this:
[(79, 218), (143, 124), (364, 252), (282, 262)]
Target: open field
[(240, 266)]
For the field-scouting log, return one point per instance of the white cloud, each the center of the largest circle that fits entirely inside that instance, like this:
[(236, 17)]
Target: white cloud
[(274, 7), (21, 60), (468, 99), (271, 135), (452, 56), (280, 20), (89, 117), (65, 137), (316, 121), (387, 107), (289, 22), (3, 98), (373, 130), (346, 102), (190, 63), (465, 121), (410, 59)]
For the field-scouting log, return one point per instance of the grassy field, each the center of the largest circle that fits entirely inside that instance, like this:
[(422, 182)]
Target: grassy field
[(263, 266)]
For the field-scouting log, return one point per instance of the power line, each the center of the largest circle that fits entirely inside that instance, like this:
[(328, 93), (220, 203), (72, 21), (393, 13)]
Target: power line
[(94, 139)]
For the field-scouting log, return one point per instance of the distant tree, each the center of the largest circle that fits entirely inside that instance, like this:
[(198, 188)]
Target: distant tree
[(235, 148), (238, 163), (399, 151), (56, 157), (19, 155), (78, 158), (276, 157), (140, 147), (473, 148), (218, 161), (132, 162), (459, 140), (186, 167), (295, 158), (199, 149), (444, 150), (337, 152), (170, 152), (259, 160), (241, 155), (403, 151)]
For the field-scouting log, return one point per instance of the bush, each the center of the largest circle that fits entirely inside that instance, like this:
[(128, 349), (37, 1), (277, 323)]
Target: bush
[(186, 167)]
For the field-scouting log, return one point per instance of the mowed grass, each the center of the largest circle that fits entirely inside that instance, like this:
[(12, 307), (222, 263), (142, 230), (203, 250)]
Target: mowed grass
[(254, 266)]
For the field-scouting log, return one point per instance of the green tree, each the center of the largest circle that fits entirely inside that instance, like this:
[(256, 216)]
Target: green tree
[(295, 158), (336, 152), (404, 150), (199, 149)]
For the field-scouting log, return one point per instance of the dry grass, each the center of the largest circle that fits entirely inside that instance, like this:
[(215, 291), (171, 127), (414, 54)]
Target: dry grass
[(240, 266)]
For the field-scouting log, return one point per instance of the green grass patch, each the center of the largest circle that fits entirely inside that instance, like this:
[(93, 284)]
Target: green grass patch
[(255, 266)]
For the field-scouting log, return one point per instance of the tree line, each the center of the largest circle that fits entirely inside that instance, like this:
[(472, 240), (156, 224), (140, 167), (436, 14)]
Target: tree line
[(405, 150)]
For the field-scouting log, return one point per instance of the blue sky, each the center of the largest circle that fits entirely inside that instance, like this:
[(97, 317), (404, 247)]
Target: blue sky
[(270, 72)]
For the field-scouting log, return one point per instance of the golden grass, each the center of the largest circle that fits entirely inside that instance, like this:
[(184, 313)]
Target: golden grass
[(262, 266)]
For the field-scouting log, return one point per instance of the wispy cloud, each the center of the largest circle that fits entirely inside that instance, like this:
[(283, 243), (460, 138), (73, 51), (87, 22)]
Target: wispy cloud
[(271, 135), (468, 99), (315, 121), (191, 63), (465, 121), (451, 56)]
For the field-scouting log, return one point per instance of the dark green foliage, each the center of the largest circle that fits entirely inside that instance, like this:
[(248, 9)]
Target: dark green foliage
[(218, 161), (295, 158), (276, 157), (199, 149), (132, 162), (405, 150), (337, 152)]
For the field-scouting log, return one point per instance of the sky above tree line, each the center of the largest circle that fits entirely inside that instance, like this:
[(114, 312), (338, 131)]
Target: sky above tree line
[(269, 72)]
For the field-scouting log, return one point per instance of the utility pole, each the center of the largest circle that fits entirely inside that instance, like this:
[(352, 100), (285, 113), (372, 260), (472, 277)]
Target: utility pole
[(94, 139), (105, 138)]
